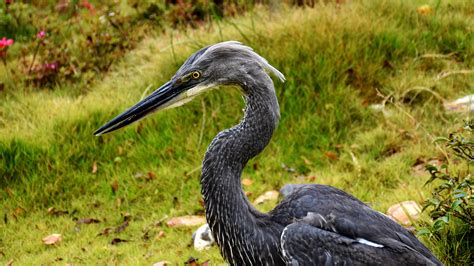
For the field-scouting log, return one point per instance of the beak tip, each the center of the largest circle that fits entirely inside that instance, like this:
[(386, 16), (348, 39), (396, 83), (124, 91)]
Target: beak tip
[(98, 132), (140, 109)]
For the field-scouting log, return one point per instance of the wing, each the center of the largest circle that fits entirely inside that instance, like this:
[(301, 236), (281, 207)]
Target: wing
[(303, 244), (327, 210)]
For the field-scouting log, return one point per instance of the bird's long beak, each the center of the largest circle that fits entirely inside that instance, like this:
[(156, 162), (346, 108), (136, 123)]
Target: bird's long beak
[(163, 97)]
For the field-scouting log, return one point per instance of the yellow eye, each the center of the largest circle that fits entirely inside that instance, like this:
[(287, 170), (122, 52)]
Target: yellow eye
[(196, 74)]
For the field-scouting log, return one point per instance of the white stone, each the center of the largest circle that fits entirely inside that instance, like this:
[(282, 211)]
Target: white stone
[(404, 212), (203, 238)]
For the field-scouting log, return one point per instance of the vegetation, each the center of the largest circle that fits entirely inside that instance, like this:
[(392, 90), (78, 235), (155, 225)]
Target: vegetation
[(452, 203), (79, 41), (339, 60)]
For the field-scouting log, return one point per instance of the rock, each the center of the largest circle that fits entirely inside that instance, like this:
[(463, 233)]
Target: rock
[(189, 220), (419, 169), (404, 212), (203, 238), (269, 195), (464, 104)]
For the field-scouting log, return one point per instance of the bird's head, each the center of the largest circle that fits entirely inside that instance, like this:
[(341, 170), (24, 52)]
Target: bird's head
[(225, 63)]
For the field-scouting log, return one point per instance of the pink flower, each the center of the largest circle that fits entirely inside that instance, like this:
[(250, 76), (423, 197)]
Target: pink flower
[(50, 66), (88, 6), (40, 35), (4, 42), (7, 2)]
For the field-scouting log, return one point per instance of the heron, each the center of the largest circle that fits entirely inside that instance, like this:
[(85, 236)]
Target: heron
[(315, 224)]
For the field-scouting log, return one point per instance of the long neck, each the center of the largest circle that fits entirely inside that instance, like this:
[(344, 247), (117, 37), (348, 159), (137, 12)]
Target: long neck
[(233, 221)]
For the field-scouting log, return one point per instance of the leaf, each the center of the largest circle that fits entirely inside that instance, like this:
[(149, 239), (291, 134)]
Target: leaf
[(126, 216), (190, 220), (106, 231), (19, 211), (54, 212), (461, 194), (162, 263), (114, 186), (115, 241), (192, 262), (151, 176), (438, 225), (160, 234), (455, 205), (424, 232), (445, 219), (122, 227), (146, 235), (138, 175), (331, 155), (247, 182), (287, 168), (434, 202), (431, 168), (94, 167), (52, 239), (438, 139), (87, 221), (306, 161)]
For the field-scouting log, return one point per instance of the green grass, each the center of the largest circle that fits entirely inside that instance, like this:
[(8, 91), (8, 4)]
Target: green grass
[(336, 59)]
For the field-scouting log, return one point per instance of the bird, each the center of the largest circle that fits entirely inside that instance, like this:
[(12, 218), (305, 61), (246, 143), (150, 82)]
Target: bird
[(315, 224)]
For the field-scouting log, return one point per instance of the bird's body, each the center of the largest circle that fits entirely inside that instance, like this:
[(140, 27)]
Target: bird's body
[(315, 224)]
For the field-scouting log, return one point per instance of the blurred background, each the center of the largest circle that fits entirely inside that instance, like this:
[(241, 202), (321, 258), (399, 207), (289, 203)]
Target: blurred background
[(378, 101)]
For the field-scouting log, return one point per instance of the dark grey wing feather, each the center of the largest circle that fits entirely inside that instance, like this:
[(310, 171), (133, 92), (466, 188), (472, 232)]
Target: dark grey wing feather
[(333, 210), (303, 244)]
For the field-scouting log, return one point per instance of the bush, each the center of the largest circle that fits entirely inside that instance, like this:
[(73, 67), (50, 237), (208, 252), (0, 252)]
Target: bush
[(451, 205), (83, 40)]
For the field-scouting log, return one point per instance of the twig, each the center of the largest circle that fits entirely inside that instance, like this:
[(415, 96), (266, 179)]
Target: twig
[(145, 91), (193, 171), (441, 56), (172, 50), (356, 164), (445, 74), (34, 57), (420, 88), (157, 223), (417, 123)]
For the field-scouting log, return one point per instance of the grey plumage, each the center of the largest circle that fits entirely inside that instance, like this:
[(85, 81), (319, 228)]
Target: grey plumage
[(314, 224), (287, 189)]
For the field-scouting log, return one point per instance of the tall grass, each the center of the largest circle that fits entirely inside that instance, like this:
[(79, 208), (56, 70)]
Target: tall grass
[(338, 59)]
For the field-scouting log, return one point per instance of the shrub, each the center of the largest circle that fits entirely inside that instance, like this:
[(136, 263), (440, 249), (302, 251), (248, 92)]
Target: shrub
[(451, 205)]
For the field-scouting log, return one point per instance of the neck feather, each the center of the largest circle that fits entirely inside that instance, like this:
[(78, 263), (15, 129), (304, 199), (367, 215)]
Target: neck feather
[(230, 215)]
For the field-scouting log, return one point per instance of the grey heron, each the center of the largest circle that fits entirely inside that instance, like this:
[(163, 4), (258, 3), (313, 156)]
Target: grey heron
[(315, 224)]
